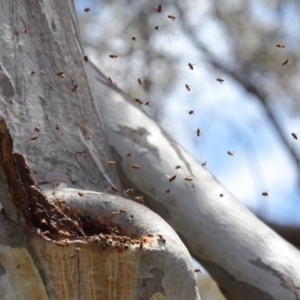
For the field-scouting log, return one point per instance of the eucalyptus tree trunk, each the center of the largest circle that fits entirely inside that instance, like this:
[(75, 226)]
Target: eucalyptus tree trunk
[(246, 258), (66, 231)]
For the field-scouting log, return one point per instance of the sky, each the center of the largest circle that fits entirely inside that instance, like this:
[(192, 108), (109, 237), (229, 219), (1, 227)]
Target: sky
[(230, 119)]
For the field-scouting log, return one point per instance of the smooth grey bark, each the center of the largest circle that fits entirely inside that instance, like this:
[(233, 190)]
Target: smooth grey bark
[(81, 244), (246, 258)]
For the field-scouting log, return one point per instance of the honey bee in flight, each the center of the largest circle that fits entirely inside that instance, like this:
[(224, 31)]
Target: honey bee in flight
[(86, 58), (199, 132), (140, 81), (159, 8), (36, 129), (147, 103), (87, 9), (295, 136), (230, 153), (129, 191), (191, 66), (110, 80), (139, 198), (172, 17), (136, 167), (133, 38), (168, 191), (191, 112), (74, 88), (34, 138), (188, 87), (111, 163), (178, 167), (204, 163), (197, 271), (221, 80), (189, 179), (171, 178), (81, 151), (113, 188), (61, 75), (139, 101), (128, 154), (80, 194), (265, 194), (280, 46), (113, 56), (285, 62), (156, 28)]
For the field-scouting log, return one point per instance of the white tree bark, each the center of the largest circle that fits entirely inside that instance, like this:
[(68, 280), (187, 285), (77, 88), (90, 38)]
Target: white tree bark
[(246, 258), (82, 244)]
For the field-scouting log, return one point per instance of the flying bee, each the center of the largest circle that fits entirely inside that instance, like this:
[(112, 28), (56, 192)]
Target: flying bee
[(61, 75), (178, 167), (113, 56), (36, 129), (221, 80), (171, 178), (113, 188), (74, 88), (295, 136), (189, 179), (172, 17), (197, 271), (140, 81), (139, 101), (199, 132), (57, 127), (111, 163), (285, 62), (32, 72), (129, 191), (86, 58), (110, 80), (128, 154), (265, 194), (221, 195), (139, 198), (167, 191), (81, 151), (230, 153), (188, 87), (204, 163), (161, 238), (122, 210), (25, 30), (159, 8), (34, 138), (147, 103), (280, 46), (133, 38), (114, 213), (136, 167), (156, 28), (191, 112), (191, 66), (87, 9), (81, 194)]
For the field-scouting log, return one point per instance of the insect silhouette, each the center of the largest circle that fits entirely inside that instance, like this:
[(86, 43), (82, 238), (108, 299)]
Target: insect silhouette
[(204, 163), (285, 62), (197, 271), (74, 88), (159, 8), (140, 81), (230, 153), (128, 154), (113, 56), (188, 87), (168, 191), (172, 17), (178, 167), (189, 179), (171, 178), (34, 138), (221, 195), (86, 58), (280, 46), (265, 194), (113, 188), (191, 66), (191, 112), (80, 194), (32, 72), (61, 75), (156, 28), (122, 210), (139, 101), (87, 9), (199, 132), (110, 80), (147, 103), (36, 129), (133, 38), (129, 191), (221, 80), (114, 213), (25, 30), (294, 135)]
